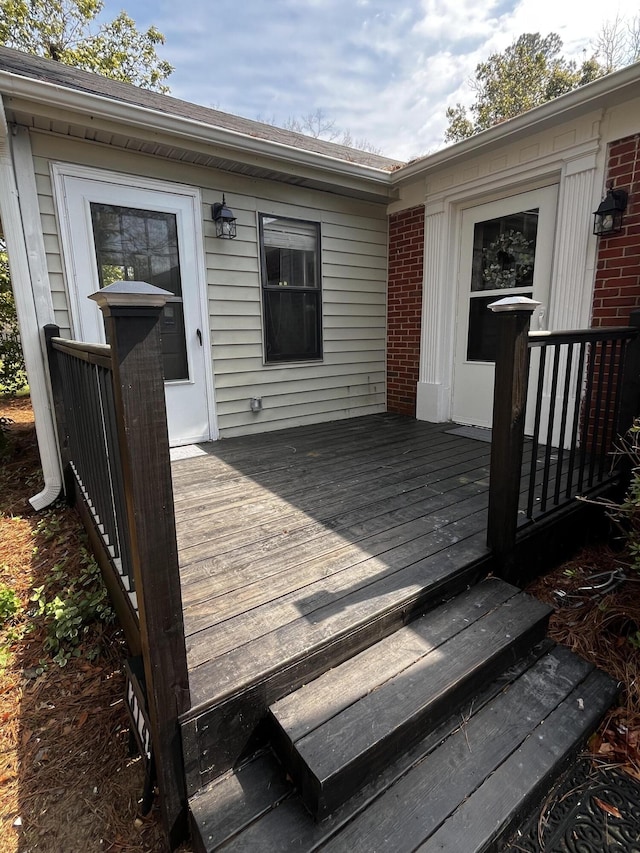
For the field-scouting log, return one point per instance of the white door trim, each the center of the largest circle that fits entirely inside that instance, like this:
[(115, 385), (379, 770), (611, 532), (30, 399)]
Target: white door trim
[(59, 172)]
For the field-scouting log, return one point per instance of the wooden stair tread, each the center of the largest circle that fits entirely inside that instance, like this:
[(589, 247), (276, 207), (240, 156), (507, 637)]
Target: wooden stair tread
[(516, 732), (236, 689), (429, 670)]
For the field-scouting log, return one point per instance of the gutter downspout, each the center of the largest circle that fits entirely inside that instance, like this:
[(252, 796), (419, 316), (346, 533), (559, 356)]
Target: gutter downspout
[(29, 322)]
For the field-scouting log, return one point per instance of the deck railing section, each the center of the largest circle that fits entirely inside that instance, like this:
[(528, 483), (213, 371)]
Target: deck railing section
[(584, 393), (92, 452), (576, 410), (112, 427)]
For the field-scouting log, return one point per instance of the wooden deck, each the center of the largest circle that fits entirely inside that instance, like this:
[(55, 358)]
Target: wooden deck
[(286, 537)]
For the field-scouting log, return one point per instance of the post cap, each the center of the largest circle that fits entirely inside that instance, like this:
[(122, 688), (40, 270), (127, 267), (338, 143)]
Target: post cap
[(514, 303), (131, 294)]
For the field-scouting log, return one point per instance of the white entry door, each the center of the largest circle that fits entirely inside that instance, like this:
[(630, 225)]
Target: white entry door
[(506, 249), (116, 232)]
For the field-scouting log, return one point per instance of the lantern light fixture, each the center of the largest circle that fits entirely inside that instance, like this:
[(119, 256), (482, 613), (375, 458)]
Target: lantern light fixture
[(607, 219), (224, 219)]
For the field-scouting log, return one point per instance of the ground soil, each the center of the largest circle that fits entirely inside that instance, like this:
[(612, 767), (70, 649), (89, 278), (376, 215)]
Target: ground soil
[(67, 781)]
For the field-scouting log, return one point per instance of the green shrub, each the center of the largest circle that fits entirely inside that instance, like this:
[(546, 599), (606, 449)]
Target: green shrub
[(9, 603), (72, 608), (13, 377)]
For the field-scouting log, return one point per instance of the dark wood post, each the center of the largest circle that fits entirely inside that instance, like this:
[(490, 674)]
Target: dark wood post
[(507, 437), (132, 312), (630, 399), (53, 331)]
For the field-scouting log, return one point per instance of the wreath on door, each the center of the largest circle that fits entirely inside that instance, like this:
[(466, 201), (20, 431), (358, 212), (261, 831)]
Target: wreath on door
[(508, 260)]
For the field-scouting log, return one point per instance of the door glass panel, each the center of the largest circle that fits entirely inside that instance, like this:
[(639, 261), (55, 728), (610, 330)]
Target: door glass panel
[(503, 260), (142, 245)]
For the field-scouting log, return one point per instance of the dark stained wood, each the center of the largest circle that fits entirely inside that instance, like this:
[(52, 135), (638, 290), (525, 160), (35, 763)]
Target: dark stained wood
[(630, 402), (505, 796), (134, 336), (301, 559), (239, 799), (288, 821), (333, 760), (409, 812), (120, 600), (305, 581), (311, 705), (259, 673), (60, 416), (509, 407), (419, 790)]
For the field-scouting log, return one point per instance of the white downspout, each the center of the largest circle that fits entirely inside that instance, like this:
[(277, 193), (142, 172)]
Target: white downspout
[(28, 320)]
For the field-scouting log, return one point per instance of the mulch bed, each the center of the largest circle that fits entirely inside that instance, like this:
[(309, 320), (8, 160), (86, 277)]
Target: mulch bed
[(597, 615), (67, 781)]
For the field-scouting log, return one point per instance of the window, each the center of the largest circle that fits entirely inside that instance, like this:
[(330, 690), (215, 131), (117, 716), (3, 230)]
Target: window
[(291, 294), (142, 245)]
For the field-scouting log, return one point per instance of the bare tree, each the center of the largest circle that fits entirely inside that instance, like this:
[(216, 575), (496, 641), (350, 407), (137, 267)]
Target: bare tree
[(318, 125), (618, 42), (633, 38), (610, 44)]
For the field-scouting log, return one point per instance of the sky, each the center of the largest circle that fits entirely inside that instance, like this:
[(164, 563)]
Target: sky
[(385, 70)]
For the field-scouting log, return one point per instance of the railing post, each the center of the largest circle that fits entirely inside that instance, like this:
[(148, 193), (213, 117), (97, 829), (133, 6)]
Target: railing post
[(630, 398), (507, 437), (132, 313), (53, 331)]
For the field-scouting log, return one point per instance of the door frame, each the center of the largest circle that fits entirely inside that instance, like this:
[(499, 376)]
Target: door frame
[(60, 171)]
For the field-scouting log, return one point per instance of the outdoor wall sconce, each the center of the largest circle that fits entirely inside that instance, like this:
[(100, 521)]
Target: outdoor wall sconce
[(224, 219), (607, 219)]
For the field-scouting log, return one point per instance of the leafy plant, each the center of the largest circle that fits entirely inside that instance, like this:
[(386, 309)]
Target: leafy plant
[(72, 607), (4, 437), (13, 377), (9, 603)]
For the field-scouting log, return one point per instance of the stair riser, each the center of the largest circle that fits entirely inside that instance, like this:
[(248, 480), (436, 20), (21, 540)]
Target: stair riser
[(321, 798), (215, 739)]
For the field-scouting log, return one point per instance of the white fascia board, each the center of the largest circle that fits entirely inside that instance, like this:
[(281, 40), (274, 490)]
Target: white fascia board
[(592, 96), (151, 121)]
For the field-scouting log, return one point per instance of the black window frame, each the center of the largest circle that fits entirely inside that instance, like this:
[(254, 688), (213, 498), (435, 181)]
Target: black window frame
[(306, 294)]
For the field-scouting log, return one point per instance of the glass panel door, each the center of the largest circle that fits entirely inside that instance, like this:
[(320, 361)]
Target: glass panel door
[(506, 249), (502, 265)]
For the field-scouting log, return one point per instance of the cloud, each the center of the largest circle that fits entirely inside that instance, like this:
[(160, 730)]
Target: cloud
[(386, 72)]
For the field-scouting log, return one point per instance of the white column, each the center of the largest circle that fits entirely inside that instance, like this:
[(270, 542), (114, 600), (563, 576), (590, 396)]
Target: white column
[(434, 386)]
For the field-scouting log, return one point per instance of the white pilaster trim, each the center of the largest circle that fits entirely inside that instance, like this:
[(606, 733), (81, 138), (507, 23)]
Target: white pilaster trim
[(574, 254)]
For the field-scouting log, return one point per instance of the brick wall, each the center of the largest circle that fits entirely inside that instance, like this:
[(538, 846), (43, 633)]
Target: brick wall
[(404, 308), (617, 284)]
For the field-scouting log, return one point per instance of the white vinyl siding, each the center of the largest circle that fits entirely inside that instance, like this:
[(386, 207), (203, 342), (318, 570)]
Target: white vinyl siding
[(350, 379)]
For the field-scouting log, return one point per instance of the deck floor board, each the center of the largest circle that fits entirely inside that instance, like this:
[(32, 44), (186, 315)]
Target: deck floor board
[(288, 536)]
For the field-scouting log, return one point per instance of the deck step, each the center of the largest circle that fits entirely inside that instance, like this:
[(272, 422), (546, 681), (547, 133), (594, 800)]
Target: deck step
[(335, 734), (459, 789)]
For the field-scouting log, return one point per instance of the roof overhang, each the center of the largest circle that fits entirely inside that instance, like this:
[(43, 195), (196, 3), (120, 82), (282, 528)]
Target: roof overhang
[(228, 149)]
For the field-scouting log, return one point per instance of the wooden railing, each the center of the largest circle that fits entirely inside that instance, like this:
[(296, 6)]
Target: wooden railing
[(576, 414), (112, 430), (574, 392), (82, 379)]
